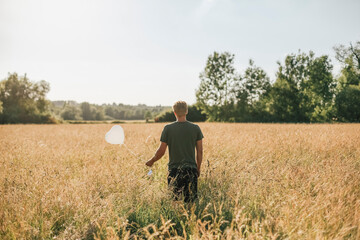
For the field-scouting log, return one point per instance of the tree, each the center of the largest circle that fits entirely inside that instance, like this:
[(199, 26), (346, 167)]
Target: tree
[(24, 101), (255, 82), (349, 57), (71, 112), (167, 116), (86, 111), (109, 110), (195, 114), (98, 114), (216, 93), (348, 104), (254, 85), (348, 94), (303, 90), (343, 54), (147, 116), (284, 98)]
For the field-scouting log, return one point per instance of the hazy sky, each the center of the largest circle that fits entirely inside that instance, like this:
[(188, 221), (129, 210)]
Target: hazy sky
[(152, 52)]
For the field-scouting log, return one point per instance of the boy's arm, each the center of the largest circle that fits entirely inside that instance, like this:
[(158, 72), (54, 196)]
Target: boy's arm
[(159, 153), (199, 155)]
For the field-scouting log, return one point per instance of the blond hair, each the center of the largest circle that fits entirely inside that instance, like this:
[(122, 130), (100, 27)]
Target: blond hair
[(180, 108)]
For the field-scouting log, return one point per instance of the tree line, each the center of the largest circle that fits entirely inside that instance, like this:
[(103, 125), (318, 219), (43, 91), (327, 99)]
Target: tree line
[(304, 90), (24, 101), (71, 110)]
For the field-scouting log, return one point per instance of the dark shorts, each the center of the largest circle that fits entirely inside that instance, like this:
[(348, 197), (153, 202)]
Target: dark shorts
[(183, 183)]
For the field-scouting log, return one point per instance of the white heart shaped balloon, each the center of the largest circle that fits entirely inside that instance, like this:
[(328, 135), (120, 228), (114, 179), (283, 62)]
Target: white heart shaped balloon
[(115, 135)]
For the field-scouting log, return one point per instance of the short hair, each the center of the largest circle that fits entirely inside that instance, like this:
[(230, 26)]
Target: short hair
[(180, 108)]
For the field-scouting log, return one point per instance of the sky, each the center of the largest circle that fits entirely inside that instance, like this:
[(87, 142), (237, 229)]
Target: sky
[(152, 52)]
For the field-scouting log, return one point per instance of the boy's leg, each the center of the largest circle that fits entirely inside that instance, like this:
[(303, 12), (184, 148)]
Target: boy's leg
[(183, 183), (190, 185), (174, 183), (194, 184)]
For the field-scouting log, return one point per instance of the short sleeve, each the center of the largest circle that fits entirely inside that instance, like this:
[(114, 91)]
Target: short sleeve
[(199, 134), (164, 135)]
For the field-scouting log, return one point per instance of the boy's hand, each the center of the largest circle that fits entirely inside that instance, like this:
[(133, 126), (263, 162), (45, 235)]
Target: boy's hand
[(159, 153), (149, 163)]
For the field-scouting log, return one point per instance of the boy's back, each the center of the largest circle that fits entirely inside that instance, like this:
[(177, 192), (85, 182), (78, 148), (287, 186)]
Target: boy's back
[(181, 137)]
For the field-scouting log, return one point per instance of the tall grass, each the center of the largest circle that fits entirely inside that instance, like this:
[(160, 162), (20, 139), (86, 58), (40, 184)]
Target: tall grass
[(258, 181)]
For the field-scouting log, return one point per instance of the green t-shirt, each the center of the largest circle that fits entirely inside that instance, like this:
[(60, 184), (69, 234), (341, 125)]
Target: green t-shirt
[(181, 138)]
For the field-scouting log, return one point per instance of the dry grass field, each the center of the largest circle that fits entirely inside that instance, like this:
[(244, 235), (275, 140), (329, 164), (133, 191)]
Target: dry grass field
[(259, 181)]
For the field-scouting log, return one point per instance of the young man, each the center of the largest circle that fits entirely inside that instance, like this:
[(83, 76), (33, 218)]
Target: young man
[(183, 138)]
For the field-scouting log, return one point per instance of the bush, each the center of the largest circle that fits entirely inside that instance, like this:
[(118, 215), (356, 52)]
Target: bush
[(194, 115)]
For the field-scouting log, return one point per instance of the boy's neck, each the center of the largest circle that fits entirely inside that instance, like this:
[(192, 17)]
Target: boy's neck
[(181, 119)]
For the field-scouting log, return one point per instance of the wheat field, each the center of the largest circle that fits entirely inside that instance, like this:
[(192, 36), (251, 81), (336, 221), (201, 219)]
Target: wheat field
[(258, 181)]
